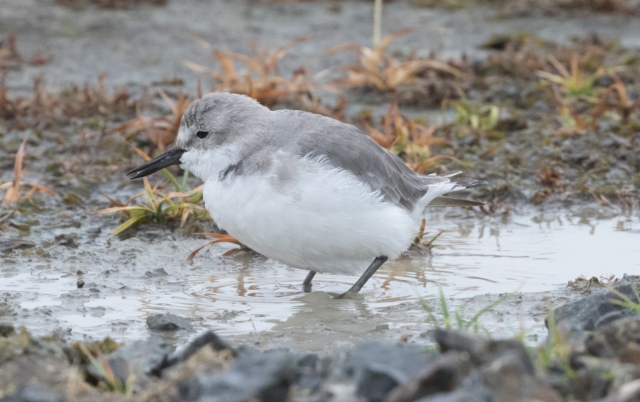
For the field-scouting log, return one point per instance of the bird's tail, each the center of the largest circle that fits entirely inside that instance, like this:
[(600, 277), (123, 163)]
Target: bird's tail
[(437, 189)]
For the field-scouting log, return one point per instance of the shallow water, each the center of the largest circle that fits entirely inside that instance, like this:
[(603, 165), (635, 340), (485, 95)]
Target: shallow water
[(250, 298)]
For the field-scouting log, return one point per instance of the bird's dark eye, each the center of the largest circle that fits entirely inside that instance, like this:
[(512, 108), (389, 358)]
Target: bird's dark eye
[(202, 134)]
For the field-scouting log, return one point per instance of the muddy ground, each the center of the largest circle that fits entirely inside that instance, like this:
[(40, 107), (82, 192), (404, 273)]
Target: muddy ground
[(61, 269)]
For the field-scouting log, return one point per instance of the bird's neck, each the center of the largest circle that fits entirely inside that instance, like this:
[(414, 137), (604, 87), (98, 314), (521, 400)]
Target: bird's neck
[(211, 164)]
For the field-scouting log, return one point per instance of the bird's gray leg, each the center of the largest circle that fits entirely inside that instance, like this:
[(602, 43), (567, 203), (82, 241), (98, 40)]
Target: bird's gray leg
[(306, 285), (351, 293)]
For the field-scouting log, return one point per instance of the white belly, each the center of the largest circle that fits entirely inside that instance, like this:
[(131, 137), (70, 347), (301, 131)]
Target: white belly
[(310, 216)]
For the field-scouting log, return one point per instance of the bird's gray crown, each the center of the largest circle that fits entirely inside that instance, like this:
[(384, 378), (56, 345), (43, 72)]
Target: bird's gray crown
[(220, 118)]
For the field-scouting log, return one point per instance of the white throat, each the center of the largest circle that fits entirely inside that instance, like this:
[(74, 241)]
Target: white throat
[(208, 164)]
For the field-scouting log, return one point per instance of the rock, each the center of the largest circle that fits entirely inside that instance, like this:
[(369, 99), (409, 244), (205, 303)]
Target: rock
[(313, 372), (35, 393), (445, 374), (167, 322), (631, 354), (483, 350), (206, 339), (509, 380), (615, 339), (66, 240), (588, 385), (378, 368), (158, 272), (15, 244), (472, 390), (594, 311), (614, 373), (258, 376), (26, 361), (150, 356), (6, 330)]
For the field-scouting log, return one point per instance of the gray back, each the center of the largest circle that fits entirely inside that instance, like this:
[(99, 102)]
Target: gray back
[(346, 147)]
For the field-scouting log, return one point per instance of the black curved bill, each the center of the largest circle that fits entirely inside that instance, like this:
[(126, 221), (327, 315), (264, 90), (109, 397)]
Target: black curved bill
[(167, 158)]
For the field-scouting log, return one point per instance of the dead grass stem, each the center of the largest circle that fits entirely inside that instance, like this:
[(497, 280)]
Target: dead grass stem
[(408, 139), (259, 77), (12, 188), (162, 131), (45, 109)]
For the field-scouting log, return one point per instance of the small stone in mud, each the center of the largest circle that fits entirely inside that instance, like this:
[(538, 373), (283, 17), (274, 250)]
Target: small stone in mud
[(266, 376), (615, 338), (7, 330), (168, 322), (36, 393), (66, 240), (208, 338), (15, 244), (595, 311), (156, 272)]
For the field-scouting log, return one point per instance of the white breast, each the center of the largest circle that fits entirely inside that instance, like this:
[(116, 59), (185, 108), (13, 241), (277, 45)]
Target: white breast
[(306, 214)]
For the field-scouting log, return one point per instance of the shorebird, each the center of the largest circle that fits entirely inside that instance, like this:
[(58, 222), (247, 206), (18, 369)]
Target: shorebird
[(303, 189)]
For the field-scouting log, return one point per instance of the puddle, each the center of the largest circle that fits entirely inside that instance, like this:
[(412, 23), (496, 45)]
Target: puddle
[(249, 298), (253, 300)]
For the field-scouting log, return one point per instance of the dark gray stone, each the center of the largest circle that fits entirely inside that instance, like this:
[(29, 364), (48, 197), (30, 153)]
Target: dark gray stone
[(168, 322), (445, 374), (34, 393), (7, 330), (594, 311), (150, 356), (378, 368), (253, 376), (158, 272), (483, 350), (588, 385), (471, 391), (206, 339), (66, 240), (313, 372), (509, 380), (613, 339)]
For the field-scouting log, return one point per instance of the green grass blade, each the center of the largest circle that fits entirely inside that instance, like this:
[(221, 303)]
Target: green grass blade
[(445, 309), (185, 179), (432, 316), (126, 224), (171, 179)]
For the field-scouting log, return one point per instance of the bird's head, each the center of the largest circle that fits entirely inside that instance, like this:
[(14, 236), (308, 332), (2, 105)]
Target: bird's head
[(213, 133)]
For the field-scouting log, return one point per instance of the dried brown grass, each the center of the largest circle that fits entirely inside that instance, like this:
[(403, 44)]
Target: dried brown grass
[(10, 58), (12, 188), (219, 238), (377, 68), (408, 139), (44, 109), (162, 131), (260, 76)]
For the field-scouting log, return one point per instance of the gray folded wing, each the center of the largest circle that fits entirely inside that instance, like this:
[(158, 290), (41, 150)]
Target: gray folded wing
[(348, 148)]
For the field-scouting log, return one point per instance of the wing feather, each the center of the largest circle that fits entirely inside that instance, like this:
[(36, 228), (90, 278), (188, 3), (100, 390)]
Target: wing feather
[(347, 147)]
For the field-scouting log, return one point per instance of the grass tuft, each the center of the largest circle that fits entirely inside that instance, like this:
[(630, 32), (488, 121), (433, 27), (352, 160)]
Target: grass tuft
[(180, 204), (456, 317), (259, 77)]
